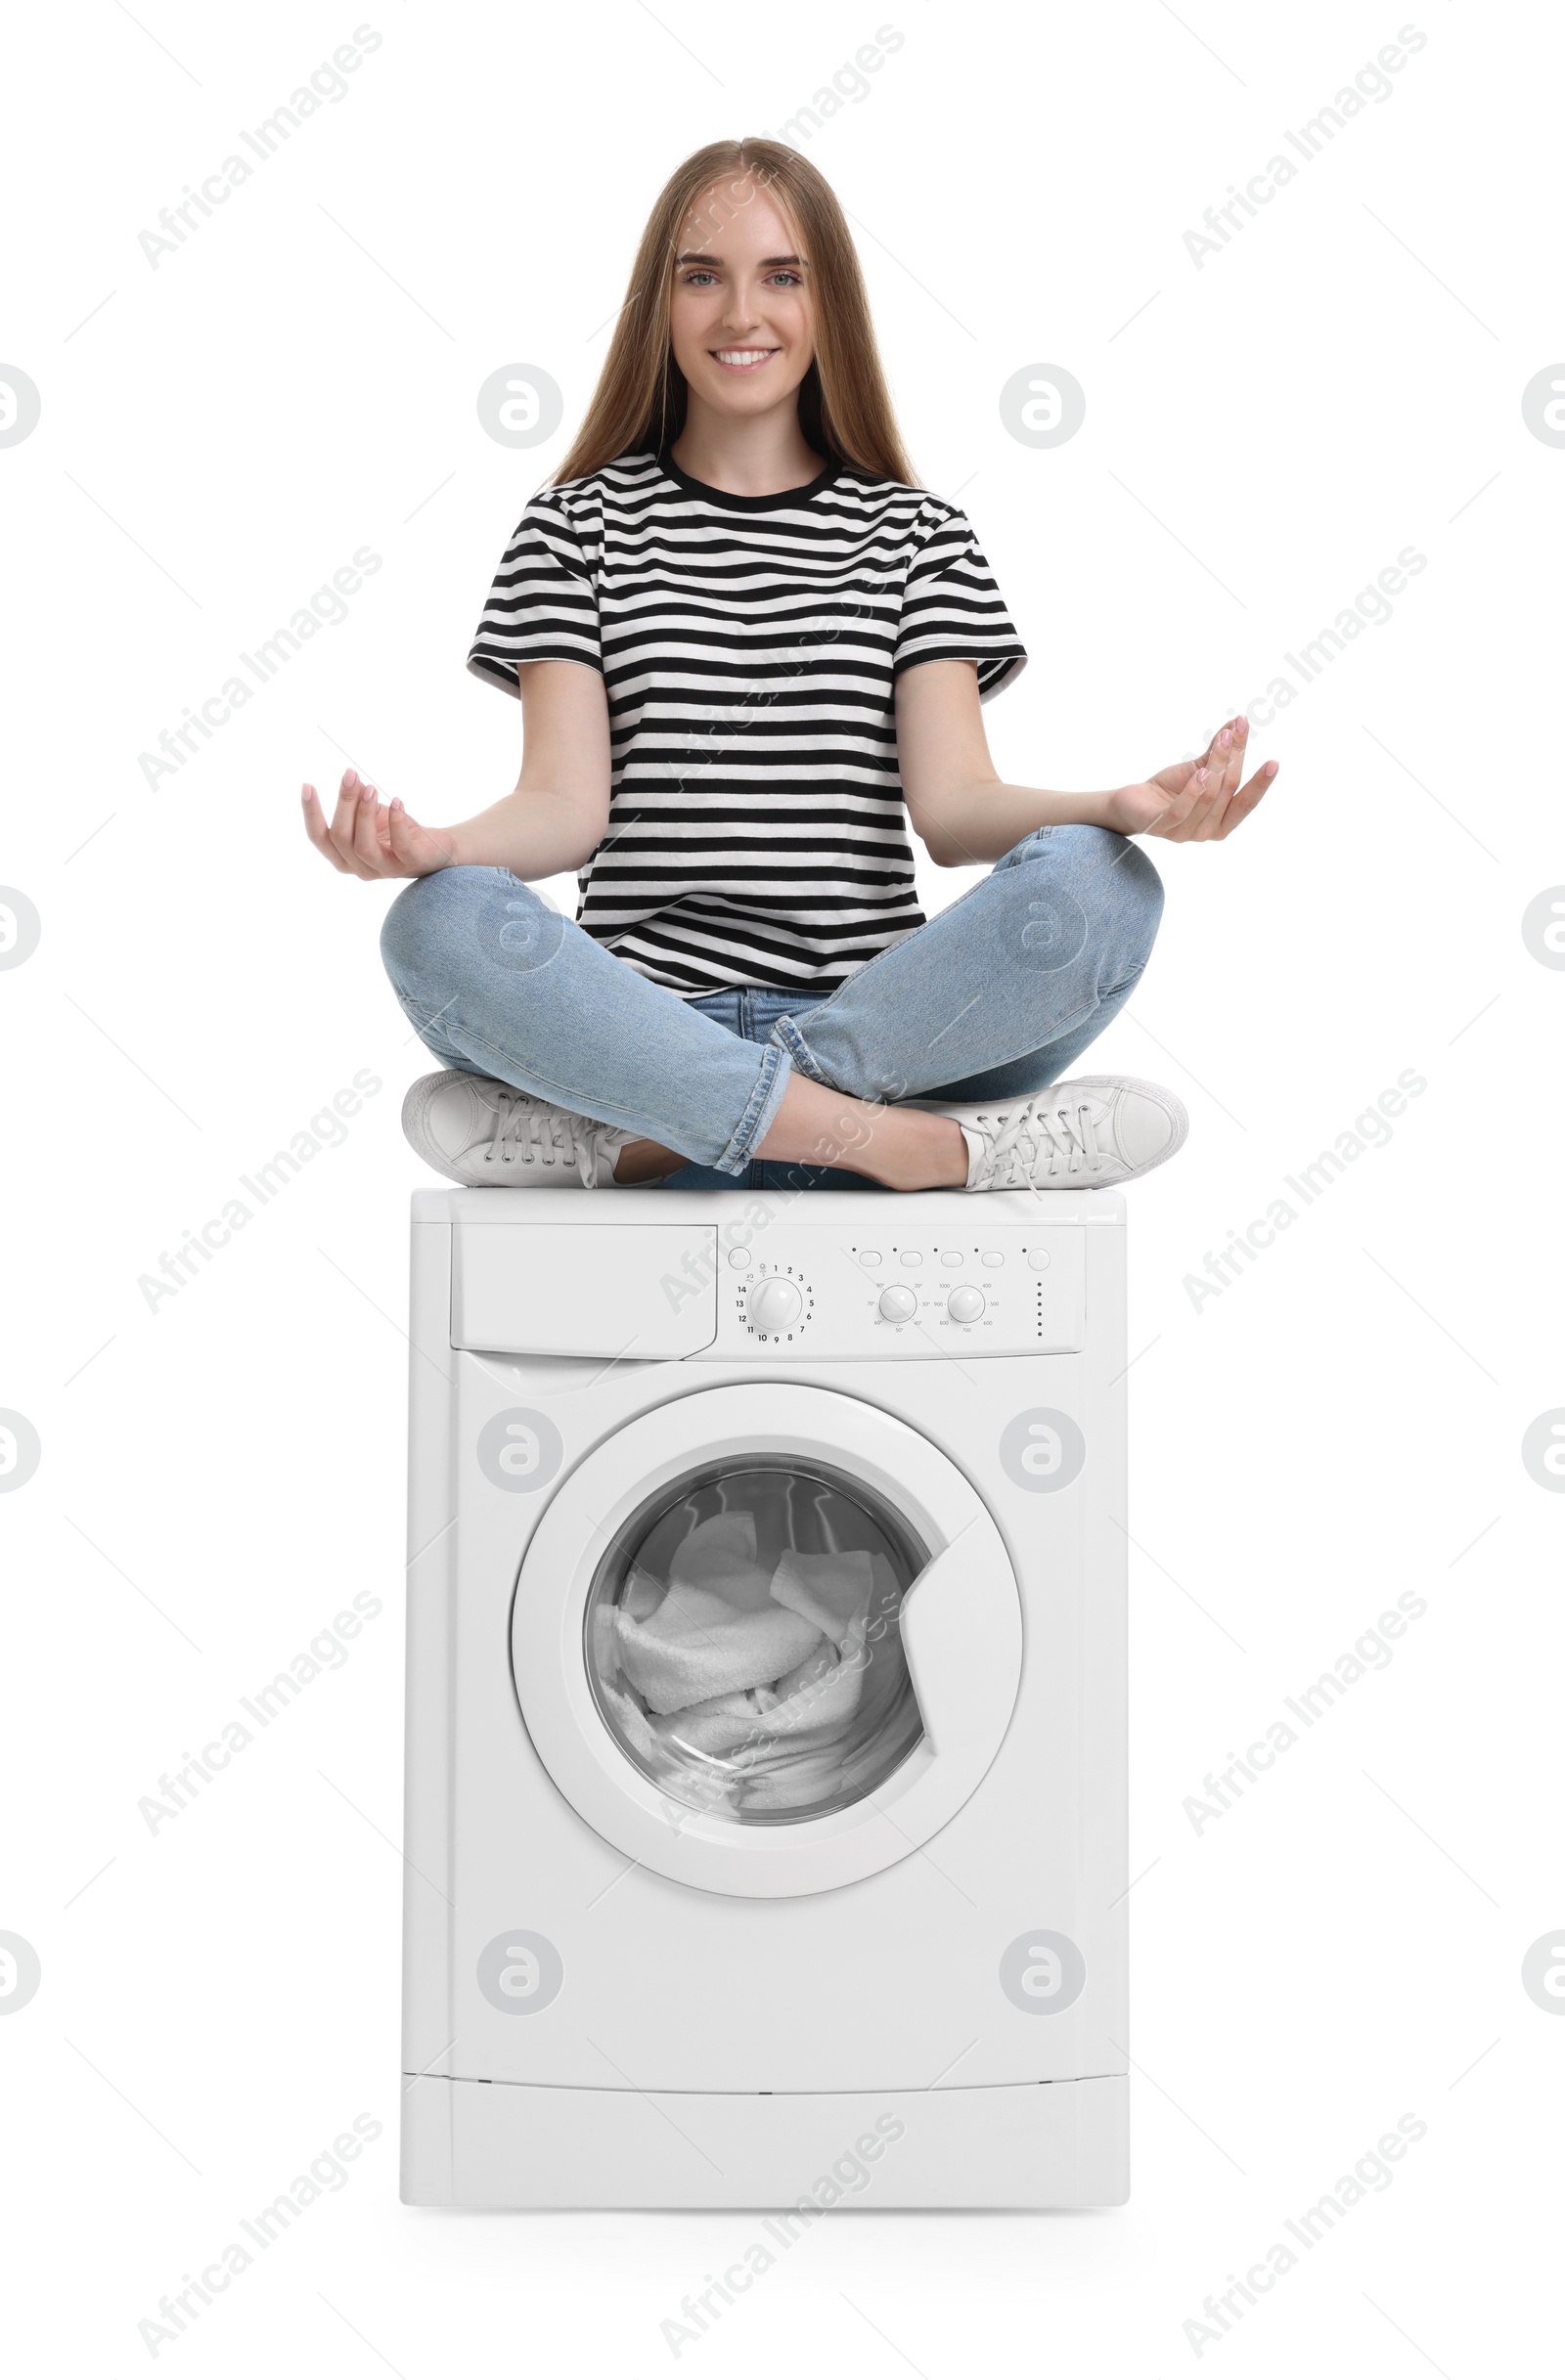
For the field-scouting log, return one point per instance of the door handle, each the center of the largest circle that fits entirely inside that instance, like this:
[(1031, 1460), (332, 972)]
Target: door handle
[(962, 1636)]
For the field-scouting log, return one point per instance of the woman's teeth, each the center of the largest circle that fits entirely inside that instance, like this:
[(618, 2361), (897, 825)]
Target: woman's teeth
[(743, 359)]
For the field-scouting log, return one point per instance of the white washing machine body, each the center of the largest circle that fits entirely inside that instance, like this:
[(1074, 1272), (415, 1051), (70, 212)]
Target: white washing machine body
[(619, 1988)]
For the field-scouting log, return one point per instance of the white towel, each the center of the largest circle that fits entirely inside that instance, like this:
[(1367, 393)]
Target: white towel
[(817, 1664), (831, 1589), (749, 1727), (720, 1726), (819, 1709), (720, 1554), (761, 1691), (697, 1646)]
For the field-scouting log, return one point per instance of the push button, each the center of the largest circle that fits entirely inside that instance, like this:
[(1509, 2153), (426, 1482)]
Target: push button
[(991, 1255), (1038, 1259), (869, 1256), (913, 1257)]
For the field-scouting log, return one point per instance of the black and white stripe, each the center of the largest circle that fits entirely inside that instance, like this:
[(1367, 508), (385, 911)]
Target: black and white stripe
[(749, 645)]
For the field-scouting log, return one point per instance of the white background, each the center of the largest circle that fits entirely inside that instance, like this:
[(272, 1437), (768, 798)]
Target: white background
[(1339, 1426)]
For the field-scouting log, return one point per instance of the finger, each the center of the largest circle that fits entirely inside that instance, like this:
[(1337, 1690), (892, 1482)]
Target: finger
[(402, 834), (1235, 732), (353, 799), (347, 802), (1192, 805), (1180, 803), (1227, 753), (344, 820), (1223, 739), (1174, 819), (1204, 786), (379, 835), (406, 838), (1208, 828), (1223, 779), (1245, 800), (315, 829), (1172, 825), (366, 841), (1231, 741), (1175, 780)]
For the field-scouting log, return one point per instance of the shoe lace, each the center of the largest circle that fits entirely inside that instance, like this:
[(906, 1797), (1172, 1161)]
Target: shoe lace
[(539, 1134), (1067, 1134)]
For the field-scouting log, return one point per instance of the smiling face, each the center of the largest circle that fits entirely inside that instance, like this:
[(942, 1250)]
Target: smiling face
[(740, 314)]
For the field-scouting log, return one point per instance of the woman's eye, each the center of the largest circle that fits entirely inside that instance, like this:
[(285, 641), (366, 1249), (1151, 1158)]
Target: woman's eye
[(701, 276)]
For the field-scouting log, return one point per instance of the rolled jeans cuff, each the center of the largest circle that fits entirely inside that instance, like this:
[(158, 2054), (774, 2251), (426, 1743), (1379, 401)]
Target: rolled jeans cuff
[(786, 1035), (771, 1081)]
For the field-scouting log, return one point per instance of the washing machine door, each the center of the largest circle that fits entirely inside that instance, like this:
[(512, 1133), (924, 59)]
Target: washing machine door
[(767, 1640)]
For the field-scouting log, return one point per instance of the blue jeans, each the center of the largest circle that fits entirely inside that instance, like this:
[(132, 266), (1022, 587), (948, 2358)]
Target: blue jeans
[(993, 999)]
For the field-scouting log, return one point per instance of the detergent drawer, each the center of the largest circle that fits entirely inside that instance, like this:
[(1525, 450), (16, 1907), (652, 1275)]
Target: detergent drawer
[(629, 1290)]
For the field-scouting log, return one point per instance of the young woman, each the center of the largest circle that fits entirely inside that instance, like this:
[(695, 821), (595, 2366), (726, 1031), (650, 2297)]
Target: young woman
[(743, 639)]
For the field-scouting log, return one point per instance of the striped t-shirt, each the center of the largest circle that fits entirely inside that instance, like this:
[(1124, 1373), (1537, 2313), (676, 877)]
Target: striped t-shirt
[(748, 647)]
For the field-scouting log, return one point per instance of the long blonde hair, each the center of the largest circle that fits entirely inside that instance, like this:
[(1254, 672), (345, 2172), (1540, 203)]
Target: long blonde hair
[(845, 410)]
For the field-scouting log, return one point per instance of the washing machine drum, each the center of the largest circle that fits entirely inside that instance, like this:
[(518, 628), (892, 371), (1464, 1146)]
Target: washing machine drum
[(767, 1640)]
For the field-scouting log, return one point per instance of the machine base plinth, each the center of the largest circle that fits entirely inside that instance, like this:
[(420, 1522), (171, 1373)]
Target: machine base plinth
[(523, 2146)]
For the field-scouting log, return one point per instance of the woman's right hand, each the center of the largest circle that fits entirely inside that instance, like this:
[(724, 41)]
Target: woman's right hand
[(368, 837)]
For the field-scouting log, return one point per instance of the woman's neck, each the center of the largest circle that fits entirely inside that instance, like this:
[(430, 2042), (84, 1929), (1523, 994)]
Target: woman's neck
[(761, 456)]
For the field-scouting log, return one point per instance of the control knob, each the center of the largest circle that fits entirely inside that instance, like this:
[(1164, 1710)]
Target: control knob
[(965, 1304), (898, 1304), (775, 1305)]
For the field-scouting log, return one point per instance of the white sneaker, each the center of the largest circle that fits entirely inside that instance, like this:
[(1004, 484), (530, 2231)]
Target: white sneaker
[(1085, 1135), (488, 1135)]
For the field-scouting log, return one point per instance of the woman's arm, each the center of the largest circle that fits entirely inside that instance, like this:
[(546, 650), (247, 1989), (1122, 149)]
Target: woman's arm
[(964, 817), (550, 823)]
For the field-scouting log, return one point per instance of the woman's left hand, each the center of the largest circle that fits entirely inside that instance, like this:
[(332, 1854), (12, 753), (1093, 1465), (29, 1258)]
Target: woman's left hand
[(1194, 801)]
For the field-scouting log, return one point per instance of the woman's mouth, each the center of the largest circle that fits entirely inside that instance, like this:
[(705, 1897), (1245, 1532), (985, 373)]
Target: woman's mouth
[(742, 359)]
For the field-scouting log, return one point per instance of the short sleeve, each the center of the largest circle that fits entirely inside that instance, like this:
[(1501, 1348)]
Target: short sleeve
[(543, 605), (952, 610)]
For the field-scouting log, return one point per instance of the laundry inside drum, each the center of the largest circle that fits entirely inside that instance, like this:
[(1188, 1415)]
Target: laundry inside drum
[(744, 1646)]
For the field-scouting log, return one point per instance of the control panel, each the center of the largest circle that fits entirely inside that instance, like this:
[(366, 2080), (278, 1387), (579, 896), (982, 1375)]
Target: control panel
[(801, 1290)]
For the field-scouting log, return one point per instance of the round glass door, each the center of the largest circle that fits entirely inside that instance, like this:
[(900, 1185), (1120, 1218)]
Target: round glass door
[(742, 1640)]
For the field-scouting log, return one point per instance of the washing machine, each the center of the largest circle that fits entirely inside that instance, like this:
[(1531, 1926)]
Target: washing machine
[(766, 1757)]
